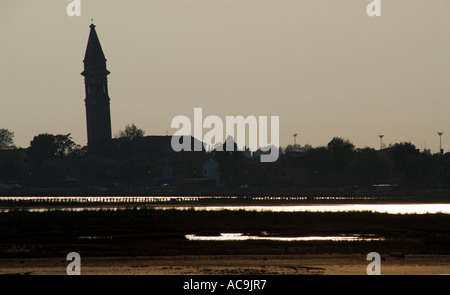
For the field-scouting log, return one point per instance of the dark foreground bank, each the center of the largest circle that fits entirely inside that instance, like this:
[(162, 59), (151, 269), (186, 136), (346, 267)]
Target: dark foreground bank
[(162, 233)]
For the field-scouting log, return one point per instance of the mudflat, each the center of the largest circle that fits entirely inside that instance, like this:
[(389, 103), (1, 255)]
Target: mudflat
[(320, 264), (153, 242)]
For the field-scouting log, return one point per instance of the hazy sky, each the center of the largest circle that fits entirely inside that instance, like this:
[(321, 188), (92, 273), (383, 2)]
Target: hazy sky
[(323, 66)]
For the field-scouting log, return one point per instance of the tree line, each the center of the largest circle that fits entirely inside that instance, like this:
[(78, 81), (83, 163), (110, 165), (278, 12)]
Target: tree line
[(51, 159)]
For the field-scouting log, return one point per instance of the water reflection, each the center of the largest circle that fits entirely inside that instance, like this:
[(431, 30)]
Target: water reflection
[(86, 203), (378, 208), (95, 238), (242, 237), (55, 209)]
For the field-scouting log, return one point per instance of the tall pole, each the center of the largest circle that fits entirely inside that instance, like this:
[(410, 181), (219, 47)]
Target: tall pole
[(295, 139), (440, 142), (381, 141)]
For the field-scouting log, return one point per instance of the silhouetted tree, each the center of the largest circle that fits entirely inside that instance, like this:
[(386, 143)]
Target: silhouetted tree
[(6, 139), (342, 153), (13, 165), (46, 145), (126, 144), (319, 162), (367, 168), (49, 154), (296, 148), (292, 148), (131, 132), (407, 163)]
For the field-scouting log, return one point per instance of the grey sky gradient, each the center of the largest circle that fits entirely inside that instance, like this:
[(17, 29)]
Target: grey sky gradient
[(323, 66)]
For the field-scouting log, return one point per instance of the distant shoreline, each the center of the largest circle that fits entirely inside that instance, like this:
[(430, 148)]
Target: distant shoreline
[(270, 192), (36, 198)]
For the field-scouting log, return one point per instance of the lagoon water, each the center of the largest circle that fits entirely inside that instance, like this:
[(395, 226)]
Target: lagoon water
[(242, 237), (43, 204), (379, 208)]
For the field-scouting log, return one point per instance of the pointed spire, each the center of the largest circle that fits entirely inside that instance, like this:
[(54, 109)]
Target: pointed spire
[(94, 50), (94, 59)]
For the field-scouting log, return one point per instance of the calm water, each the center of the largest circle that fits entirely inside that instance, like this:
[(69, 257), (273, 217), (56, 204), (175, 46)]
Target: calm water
[(242, 237), (169, 203), (380, 208)]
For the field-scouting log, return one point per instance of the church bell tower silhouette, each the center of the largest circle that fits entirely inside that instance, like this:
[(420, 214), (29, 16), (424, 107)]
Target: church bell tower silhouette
[(98, 116)]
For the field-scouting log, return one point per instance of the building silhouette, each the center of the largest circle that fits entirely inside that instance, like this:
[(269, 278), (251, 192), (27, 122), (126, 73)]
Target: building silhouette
[(98, 116)]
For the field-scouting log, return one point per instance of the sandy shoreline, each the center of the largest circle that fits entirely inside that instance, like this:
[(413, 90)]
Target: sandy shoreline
[(322, 264)]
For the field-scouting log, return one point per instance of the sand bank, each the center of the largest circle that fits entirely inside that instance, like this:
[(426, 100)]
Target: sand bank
[(321, 264)]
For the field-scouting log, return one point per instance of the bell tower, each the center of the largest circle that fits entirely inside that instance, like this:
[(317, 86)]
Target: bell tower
[(98, 116)]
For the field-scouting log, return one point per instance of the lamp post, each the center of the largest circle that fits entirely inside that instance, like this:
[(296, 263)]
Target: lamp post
[(295, 139), (381, 141), (440, 142)]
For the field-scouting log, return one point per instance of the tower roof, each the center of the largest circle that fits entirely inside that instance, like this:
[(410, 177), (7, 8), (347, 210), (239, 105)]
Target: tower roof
[(94, 50)]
